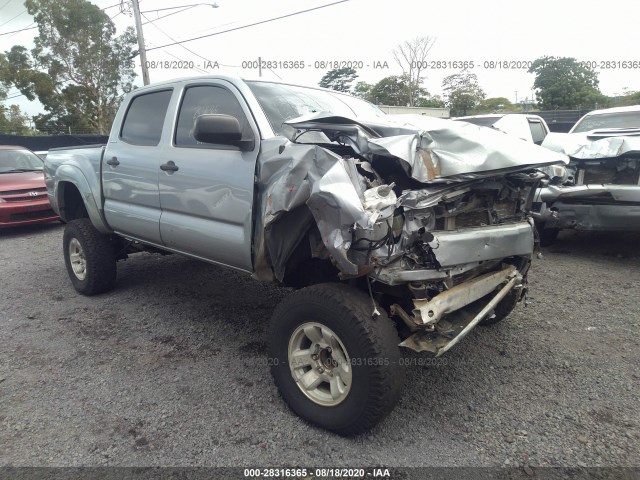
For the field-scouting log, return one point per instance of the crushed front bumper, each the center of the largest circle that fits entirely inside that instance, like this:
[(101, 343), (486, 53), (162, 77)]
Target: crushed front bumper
[(464, 309), (462, 250), (478, 265)]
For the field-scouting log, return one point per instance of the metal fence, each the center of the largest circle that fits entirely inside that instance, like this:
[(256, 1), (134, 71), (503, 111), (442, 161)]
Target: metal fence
[(43, 143)]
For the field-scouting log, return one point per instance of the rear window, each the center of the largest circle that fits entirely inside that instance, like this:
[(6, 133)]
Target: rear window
[(538, 132), (145, 117)]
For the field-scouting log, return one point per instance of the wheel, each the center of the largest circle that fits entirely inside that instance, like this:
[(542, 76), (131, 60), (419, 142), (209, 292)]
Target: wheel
[(335, 365), (89, 257), (503, 308)]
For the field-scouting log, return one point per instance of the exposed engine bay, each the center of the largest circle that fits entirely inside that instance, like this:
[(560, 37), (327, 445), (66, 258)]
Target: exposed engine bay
[(408, 213)]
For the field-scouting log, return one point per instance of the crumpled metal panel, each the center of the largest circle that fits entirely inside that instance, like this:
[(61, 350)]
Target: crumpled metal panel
[(435, 150), (291, 175), (585, 146), (482, 243), (619, 193), (439, 153)]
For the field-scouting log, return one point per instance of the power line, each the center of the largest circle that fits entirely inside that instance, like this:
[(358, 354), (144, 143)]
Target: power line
[(249, 25), (180, 45), (197, 69), (164, 16), (16, 31), (181, 6), (174, 40), (15, 96), (5, 4), (21, 13)]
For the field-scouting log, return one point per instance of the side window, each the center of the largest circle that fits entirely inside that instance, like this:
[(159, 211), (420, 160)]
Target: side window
[(538, 132), (143, 122), (203, 100)]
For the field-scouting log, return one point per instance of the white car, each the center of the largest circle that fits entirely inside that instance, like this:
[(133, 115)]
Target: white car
[(531, 128)]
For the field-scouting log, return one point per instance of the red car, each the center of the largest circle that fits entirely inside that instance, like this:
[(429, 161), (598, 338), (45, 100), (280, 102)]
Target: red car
[(23, 195)]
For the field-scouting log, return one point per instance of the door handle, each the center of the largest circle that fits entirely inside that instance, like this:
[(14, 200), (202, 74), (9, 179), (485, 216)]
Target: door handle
[(113, 162), (169, 167)]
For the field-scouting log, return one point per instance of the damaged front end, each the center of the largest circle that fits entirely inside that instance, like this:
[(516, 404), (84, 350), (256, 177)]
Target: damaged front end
[(428, 216), (600, 190)]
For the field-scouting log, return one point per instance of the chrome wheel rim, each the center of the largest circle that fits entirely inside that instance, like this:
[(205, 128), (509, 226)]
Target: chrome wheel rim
[(320, 364), (77, 259)]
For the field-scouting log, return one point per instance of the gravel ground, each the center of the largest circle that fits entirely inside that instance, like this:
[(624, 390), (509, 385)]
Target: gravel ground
[(170, 369)]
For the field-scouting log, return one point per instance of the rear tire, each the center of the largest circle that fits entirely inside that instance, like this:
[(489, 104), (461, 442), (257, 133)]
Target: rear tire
[(324, 337), (89, 257)]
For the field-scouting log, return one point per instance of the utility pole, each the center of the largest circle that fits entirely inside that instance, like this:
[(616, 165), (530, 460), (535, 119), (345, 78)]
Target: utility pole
[(141, 48)]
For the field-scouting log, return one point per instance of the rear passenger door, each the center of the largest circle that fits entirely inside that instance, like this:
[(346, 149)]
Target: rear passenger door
[(130, 168), (207, 196)]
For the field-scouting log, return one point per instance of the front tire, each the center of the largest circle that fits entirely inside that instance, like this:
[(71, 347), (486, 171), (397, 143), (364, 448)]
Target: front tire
[(335, 365), (503, 308), (89, 257)]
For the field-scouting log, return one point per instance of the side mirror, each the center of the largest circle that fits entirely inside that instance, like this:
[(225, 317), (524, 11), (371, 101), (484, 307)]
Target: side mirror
[(220, 129)]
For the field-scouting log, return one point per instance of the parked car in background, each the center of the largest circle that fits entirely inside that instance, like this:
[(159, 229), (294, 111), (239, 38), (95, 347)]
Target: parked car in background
[(531, 128), (23, 194), (600, 190)]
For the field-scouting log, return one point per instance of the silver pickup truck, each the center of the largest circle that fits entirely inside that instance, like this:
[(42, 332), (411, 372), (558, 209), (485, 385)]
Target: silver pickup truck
[(393, 232), (600, 188)]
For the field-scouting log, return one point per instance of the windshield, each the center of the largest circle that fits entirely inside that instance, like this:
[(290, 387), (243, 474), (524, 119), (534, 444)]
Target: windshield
[(19, 161), (608, 120), (284, 102)]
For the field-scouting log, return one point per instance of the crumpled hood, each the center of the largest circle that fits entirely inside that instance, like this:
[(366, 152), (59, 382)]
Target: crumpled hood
[(432, 149), (610, 143), (441, 154)]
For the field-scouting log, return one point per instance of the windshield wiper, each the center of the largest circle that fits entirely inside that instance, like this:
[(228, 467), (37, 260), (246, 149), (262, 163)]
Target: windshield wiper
[(21, 170)]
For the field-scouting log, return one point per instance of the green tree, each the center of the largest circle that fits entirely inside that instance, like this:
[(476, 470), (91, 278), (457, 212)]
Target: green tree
[(495, 104), (362, 90), (462, 92), (13, 121), (393, 91), (390, 90), (339, 79), (562, 82), (79, 69), (429, 101), (628, 98)]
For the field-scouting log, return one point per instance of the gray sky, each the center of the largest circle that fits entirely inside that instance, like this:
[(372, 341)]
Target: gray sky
[(367, 30)]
